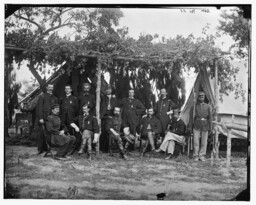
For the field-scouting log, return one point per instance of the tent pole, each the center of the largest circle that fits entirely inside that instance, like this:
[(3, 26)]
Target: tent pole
[(98, 100), (216, 143)]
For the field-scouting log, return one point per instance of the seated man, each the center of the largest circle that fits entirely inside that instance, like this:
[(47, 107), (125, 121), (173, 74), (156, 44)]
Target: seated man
[(114, 125), (175, 133), (148, 127), (57, 133), (88, 124), (128, 139)]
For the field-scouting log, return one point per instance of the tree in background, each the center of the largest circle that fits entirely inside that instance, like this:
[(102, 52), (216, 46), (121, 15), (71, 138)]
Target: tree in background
[(237, 26)]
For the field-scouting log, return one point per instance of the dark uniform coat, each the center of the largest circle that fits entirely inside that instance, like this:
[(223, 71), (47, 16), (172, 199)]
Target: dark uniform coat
[(44, 105), (54, 125), (68, 109), (161, 108), (43, 110), (89, 100), (107, 104), (132, 110), (87, 123), (177, 127), (149, 123), (202, 118), (115, 123)]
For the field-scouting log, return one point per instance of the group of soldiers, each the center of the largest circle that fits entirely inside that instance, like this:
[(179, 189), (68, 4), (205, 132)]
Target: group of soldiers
[(71, 124)]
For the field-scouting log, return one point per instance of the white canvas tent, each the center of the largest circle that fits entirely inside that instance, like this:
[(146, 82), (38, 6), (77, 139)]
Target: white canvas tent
[(228, 107)]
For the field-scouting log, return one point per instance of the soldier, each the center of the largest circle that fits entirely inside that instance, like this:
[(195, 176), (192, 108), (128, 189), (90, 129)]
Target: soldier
[(161, 108), (201, 122), (149, 126), (132, 110), (57, 130), (43, 109), (108, 102), (175, 133), (114, 125), (89, 127), (87, 98), (68, 108)]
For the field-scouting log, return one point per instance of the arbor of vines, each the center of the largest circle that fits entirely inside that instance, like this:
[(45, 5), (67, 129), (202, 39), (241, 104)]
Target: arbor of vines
[(130, 62)]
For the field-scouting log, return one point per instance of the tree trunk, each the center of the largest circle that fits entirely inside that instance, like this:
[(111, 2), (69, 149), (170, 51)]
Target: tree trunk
[(98, 99), (41, 82)]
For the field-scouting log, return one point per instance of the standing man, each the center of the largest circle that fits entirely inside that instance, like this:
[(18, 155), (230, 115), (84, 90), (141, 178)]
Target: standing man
[(43, 109), (68, 108), (114, 125), (132, 110), (108, 102), (87, 98), (57, 130), (161, 108), (89, 127), (201, 123), (148, 127), (175, 133)]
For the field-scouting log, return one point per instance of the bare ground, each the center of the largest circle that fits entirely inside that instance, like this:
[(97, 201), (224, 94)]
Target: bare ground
[(28, 175)]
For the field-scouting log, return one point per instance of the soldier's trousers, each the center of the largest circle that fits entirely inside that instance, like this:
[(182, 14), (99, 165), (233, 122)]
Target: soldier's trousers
[(116, 139), (200, 149), (87, 139), (149, 142)]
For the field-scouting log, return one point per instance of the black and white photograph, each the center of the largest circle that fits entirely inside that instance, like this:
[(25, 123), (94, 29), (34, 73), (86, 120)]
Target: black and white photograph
[(131, 102)]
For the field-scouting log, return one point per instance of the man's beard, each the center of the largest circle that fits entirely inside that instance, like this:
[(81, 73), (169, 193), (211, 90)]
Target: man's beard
[(116, 114)]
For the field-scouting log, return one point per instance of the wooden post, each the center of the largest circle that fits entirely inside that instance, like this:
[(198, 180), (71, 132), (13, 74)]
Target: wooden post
[(98, 100), (216, 143), (228, 156)]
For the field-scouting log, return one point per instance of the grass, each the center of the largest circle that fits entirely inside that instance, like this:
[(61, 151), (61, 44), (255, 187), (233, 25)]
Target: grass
[(116, 179)]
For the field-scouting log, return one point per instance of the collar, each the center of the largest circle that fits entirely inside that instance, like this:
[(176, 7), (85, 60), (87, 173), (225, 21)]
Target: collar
[(163, 98), (109, 95), (178, 120), (68, 95)]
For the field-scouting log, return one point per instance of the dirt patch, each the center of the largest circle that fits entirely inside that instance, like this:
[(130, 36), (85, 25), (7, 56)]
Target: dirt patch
[(33, 176)]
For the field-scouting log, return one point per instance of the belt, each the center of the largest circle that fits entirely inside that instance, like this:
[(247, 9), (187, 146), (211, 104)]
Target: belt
[(201, 118)]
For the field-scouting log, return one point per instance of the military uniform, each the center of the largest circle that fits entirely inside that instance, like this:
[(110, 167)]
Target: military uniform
[(115, 123), (202, 124), (68, 110), (149, 127), (88, 126), (64, 142), (43, 110), (108, 102), (89, 99), (161, 108), (132, 110), (174, 134)]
